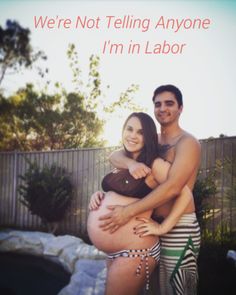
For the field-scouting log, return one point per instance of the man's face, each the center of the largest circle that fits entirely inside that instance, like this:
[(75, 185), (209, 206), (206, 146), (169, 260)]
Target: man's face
[(166, 108)]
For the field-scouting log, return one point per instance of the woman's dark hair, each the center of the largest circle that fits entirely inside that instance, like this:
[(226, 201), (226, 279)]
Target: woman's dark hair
[(149, 151)]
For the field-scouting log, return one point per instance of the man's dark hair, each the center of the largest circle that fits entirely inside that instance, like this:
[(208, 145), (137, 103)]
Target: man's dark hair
[(170, 88)]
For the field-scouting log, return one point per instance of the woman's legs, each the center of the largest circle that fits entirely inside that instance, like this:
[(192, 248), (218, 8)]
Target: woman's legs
[(122, 278)]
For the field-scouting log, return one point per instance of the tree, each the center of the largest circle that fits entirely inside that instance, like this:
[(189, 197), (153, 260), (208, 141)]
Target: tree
[(38, 121), (31, 120), (222, 135), (92, 91), (15, 49)]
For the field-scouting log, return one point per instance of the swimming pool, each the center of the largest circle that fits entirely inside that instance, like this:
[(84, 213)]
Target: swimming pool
[(25, 274)]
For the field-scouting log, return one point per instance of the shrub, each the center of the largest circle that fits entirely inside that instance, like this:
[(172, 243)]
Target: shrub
[(46, 192), (203, 189)]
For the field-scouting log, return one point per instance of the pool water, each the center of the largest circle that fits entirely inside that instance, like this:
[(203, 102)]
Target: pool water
[(23, 274)]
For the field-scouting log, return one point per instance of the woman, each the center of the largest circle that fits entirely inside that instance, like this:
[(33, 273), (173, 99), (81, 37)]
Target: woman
[(139, 138)]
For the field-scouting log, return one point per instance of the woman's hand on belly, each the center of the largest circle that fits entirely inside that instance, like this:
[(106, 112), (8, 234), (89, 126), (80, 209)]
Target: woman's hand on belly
[(124, 237), (148, 227), (95, 200)]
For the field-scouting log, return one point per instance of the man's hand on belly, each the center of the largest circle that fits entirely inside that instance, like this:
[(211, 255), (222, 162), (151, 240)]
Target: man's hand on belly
[(114, 219)]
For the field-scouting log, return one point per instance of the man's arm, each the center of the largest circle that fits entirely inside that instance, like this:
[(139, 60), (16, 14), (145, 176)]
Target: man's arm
[(187, 159), (150, 227), (177, 210), (119, 160)]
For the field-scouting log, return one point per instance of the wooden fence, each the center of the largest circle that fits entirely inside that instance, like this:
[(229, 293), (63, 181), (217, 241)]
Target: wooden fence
[(219, 162), (87, 168)]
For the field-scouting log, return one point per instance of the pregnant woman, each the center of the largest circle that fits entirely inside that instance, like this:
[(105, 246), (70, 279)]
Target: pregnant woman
[(132, 257)]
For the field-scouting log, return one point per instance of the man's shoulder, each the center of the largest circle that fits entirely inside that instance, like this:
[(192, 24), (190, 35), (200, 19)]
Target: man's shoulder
[(187, 139)]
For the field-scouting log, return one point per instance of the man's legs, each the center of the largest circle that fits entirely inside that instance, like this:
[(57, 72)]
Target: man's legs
[(179, 252)]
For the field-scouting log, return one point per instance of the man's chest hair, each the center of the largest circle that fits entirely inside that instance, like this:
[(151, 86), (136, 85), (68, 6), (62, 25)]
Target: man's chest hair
[(167, 152)]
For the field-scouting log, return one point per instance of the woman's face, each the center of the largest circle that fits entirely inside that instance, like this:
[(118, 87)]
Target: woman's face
[(132, 136)]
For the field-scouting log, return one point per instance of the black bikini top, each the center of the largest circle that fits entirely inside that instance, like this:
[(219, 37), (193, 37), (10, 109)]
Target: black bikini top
[(122, 182)]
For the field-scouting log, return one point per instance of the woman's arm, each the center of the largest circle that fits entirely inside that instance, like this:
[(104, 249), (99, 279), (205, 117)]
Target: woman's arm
[(119, 160), (149, 227), (185, 164)]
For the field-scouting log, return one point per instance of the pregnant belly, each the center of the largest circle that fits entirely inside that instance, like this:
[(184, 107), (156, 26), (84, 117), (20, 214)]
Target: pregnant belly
[(123, 238)]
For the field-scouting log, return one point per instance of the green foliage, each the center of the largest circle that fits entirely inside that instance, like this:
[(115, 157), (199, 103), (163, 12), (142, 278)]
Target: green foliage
[(125, 101), (37, 121), (15, 49), (220, 235), (204, 188), (33, 120), (228, 164), (46, 192), (92, 92)]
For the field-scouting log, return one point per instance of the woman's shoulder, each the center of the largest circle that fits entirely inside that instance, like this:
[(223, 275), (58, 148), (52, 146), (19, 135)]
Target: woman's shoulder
[(160, 169), (159, 163)]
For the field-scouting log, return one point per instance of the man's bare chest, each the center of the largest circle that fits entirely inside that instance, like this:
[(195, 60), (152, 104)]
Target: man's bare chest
[(167, 152)]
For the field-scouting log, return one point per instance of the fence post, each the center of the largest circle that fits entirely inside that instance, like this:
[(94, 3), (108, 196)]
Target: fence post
[(14, 211)]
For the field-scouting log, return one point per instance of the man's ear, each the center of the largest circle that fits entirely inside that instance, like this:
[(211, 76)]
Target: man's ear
[(180, 109)]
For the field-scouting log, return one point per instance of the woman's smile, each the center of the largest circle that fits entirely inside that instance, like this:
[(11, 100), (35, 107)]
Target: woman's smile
[(133, 135)]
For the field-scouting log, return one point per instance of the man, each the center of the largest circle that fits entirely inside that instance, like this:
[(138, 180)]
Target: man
[(178, 266)]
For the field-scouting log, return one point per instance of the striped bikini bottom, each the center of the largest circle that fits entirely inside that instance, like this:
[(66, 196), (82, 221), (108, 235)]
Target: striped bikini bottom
[(144, 254)]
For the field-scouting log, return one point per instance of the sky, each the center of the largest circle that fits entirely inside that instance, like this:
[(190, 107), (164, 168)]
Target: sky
[(204, 70)]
